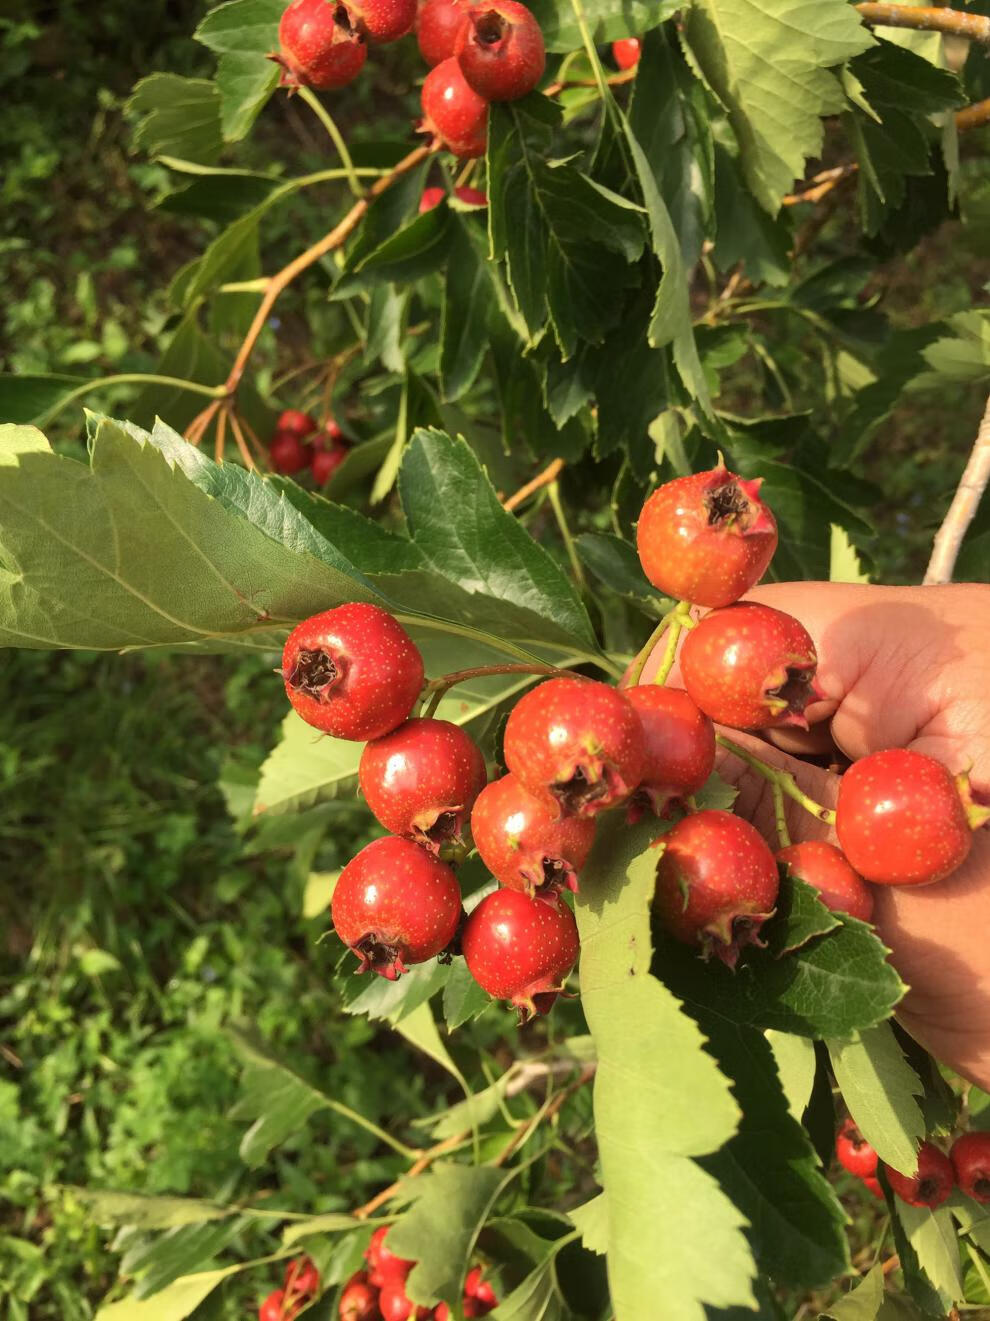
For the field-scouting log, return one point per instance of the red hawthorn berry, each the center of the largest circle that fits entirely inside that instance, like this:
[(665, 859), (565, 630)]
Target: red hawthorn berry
[(970, 1156), (441, 1312), (932, 1182), (431, 197), (353, 672), (521, 949), (873, 1185), (288, 453), (853, 1151), (717, 884), (324, 463), (471, 196), (824, 867), (578, 741), (500, 50), (480, 1290), (706, 538), (434, 196), (395, 904), (437, 27), (395, 1305), (751, 667), (271, 1308), (329, 437), (299, 423), (359, 1299), (319, 45), (679, 741), (903, 819), (454, 112), (523, 844), (626, 52), (301, 1277), (382, 21), (421, 780), (383, 1264)]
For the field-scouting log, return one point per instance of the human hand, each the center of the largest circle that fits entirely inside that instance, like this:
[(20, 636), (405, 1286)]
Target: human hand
[(905, 667)]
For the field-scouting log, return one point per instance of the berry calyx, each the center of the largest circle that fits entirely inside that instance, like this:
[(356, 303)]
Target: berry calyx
[(932, 1182), (437, 28), (825, 867), (751, 667), (853, 1151), (706, 538), (320, 45), (626, 52), (453, 112), (382, 21), (522, 841), (383, 1264), (302, 1279), (717, 884), (577, 742), (299, 423), (421, 781), (903, 819), (353, 672), (288, 453), (500, 50), (970, 1157), (325, 462), (272, 1307), (394, 905), (679, 741), (521, 949), (359, 1299)]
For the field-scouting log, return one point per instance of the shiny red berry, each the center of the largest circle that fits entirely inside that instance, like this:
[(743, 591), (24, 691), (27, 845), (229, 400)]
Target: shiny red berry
[(679, 741), (359, 1299), (751, 667), (299, 423), (353, 672), (437, 28), (717, 884), (577, 741), (394, 904), (271, 1308), (853, 1151), (707, 538), (382, 21), (453, 112), (932, 1182), (288, 453), (970, 1156), (434, 196), (903, 819), (395, 1305), (422, 779), (471, 196), (329, 437), (824, 866), (383, 1264), (500, 50), (431, 197), (522, 841), (319, 45), (480, 1290), (302, 1279), (324, 463), (521, 949), (626, 52)]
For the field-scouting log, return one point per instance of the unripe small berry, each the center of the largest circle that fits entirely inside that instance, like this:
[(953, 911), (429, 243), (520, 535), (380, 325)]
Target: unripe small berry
[(932, 1182), (521, 949), (500, 50), (437, 28), (288, 453), (299, 423), (454, 112), (825, 867), (320, 46), (626, 52)]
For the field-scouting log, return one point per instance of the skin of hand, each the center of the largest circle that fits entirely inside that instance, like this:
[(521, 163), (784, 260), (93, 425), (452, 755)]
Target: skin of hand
[(901, 667)]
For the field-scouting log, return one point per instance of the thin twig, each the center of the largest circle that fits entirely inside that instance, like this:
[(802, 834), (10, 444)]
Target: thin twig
[(974, 26), (965, 502), (542, 479), (218, 444), (235, 427), (973, 116)]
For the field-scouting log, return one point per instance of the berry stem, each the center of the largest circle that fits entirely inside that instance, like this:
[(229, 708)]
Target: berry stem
[(783, 782), (644, 653), (553, 491), (780, 816), (326, 119), (680, 618), (438, 688), (542, 479)]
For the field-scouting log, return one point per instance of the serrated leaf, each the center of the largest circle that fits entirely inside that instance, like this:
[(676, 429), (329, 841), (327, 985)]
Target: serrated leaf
[(537, 1298), (420, 1029), (331, 1222), (467, 1114), (605, 21), (179, 117), (615, 563), (651, 1114), (862, 1303), (844, 562), (379, 998), (175, 1303), (242, 33), (741, 46), (744, 231), (145, 1212), (158, 1262), (464, 326), (932, 1234), (463, 998), (591, 1221), (881, 1091), (961, 357), (799, 918), (796, 1067)]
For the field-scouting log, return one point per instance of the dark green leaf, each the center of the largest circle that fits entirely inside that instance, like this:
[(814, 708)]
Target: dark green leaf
[(464, 319), (744, 231), (243, 33), (179, 117), (800, 917), (606, 21), (881, 1090), (615, 563)]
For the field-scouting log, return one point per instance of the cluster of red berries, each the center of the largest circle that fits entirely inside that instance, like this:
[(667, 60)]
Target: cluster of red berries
[(302, 1284), (378, 1293), (574, 748), (966, 1167), (300, 442), (478, 51)]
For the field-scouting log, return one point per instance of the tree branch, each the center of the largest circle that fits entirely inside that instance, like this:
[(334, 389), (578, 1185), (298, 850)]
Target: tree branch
[(974, 26), (973, 116), (544, 478), (964, 504)]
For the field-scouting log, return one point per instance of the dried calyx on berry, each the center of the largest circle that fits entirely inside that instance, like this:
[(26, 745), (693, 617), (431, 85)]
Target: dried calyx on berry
[(500, 50), (521, 949), (524, 843), (320, 45)]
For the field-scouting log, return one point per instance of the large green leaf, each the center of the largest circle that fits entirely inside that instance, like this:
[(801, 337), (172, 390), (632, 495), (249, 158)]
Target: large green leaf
[(144, 1212), (606, 20), (769, 62), (933, 1236), (862, 1303), (179, 117), (659, 1101), (242, 33), (881, 1090)]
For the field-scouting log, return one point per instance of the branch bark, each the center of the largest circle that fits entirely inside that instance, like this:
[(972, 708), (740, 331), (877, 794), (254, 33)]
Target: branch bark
[(974, 26), (974, 115), (965, 503)]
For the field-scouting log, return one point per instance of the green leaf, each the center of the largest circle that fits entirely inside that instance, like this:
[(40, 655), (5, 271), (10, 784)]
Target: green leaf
[(276, 1098), (331, 1222), (744, 231), (844, 562), (379, 998), (420, 1030), (178, 117), (606, 21), (536, 1299), (962, 357), (156, 1263), (415, 250), (463, 998), (242, 33), (144, 1212), (881, 1091), (439, 1232), (659, 1101), (175, 1303), (800, 917), (862, 1303), (464, 325), (796, 1066), (615, 563), (932, 1234), (29, 398), (591, 1221), (741, 48), (470, 1113)]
